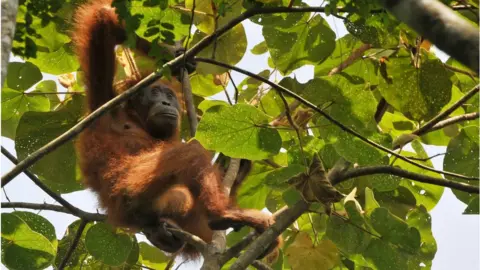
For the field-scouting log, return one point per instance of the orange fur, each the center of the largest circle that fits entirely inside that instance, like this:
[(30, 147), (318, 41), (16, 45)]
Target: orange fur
[(138, 178)]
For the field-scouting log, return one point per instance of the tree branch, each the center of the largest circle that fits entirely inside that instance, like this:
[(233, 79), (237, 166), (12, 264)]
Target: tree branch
[(455, 119), (331, 119), (442, 26), (9, 15), (70, 208), (352, 58), (426, 128), (74, 244), (283, 220), (362, 171), (57, 208)]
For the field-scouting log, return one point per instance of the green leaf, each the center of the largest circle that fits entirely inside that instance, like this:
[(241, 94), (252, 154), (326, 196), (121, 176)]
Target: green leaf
[(472, 208), (462, 158), (347, 237), (207, 104), (48, 86), (23, 248), (418, 93), (292, 196), (353, 106), (107, 246), (38, 224), (427, 195), (238, 133), (422, 221), (370, 202), (461, 80), (230, 49), (203, 85), (395, 230), (15, 104), (22, 76), (152, 256), (57, 62), (398, 201), (384, 256), (169, 21), (36, 129), (310, 41), (260, 48)]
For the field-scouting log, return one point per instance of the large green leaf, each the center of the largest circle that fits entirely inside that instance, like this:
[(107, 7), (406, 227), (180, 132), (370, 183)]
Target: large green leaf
[(238, 132), (108, 246), (15, 104), (22, 76), (57, 62), (22, 247), (427, 195), (348, 238), (229, 49), (36, 129), (39, 224), (204, 86), (353, 106), (310, 41), (422, 221), (395, 230), (418, 93), (462, 158)]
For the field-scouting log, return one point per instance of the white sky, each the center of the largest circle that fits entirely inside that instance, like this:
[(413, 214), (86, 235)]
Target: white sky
[(457, 235)]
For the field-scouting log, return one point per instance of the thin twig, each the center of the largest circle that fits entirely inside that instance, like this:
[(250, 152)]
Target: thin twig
[(293, 106), (53, 207), (226, 94), (455, 119), (362, 171), (455, 69), (427, 158), (234, 86), (74, 244), (331, 119)]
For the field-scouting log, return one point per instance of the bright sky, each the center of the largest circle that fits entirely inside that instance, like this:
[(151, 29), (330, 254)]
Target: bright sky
[(457, 235)]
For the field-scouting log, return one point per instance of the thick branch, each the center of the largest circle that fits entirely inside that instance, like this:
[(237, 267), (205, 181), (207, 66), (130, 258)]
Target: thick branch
[(331, 119), (284, 219), (70, 208), (362, 171), (57, 208), (9, 19), (74, 244), (442, 26)]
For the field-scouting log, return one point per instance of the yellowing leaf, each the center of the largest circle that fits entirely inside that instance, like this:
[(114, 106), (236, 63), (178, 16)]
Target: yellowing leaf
[(302, 254)]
